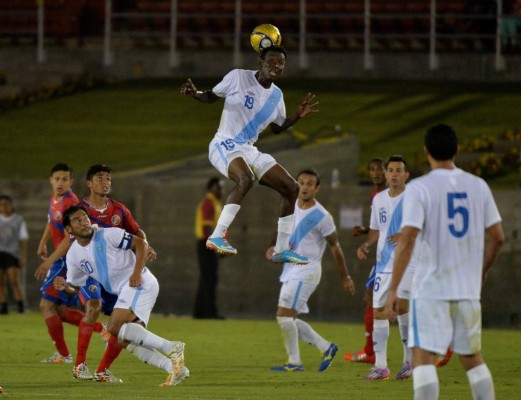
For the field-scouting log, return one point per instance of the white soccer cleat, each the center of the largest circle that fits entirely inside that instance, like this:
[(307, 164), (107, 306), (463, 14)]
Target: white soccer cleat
[(106, 376), (173, 379), (177, 356), (82, 372), (57, 358)]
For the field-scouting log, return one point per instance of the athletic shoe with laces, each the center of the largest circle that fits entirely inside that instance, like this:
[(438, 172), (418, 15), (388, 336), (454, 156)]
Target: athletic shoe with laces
[(404, 373), (327, 357), (81, 372), (378, 374), (288, 367), (289, 256), (105, 335), (106, 376), (221, 246), (360, 356), (441, 362), (57, 358), (173, 379), (177, 356)]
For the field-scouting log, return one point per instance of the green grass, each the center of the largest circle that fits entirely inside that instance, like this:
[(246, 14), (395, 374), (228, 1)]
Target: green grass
[(230, 360), (147, 122)]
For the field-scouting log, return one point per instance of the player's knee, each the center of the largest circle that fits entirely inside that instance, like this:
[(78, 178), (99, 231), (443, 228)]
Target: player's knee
[(245, 181)]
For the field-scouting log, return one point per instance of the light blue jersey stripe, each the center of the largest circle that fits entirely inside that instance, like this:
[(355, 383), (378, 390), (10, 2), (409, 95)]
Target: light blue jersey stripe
[(297, 294), (305, 225), (100, 256), (415, 325), (394, 227), (136, 297), (223, 157), (251, 129)]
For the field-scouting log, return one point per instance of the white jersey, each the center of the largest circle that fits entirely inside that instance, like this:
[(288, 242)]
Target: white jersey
[(386, 218), (107, 258), (312, 226), (248, 108), (452, 209)]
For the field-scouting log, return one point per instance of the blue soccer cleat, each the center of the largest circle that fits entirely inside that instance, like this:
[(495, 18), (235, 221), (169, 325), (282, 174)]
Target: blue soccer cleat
[(288, 256), (288, 367), (327, 357), (221, 246)]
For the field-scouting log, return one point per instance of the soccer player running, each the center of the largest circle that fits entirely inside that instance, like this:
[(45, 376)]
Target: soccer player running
[(314, 228), (376, 170), (252, 103), (447, 215), (56, 306), (386, 217), (105, 255), (104, 212)]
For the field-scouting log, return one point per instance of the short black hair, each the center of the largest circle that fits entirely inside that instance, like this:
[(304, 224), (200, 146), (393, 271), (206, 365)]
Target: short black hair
[(61, 167), (397, 158), (69, 211), (441, 142), (6, 197), (377, 160), (277, 49), (94, 169), (310, 171), (212, 181)]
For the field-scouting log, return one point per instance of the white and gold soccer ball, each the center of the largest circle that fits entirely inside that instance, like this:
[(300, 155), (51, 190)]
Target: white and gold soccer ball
[(264, 36)]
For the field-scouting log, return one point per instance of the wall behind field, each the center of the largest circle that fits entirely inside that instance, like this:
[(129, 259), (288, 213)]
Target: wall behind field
[(163, 200)]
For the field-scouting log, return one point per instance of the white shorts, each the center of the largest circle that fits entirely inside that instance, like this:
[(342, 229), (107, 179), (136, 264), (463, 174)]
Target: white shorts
[(140, 300), (382, 283), (294, 294), (434, 325), (222, 152)]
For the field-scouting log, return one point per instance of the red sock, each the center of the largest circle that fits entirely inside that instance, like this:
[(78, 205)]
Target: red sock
[(84, 334), (368, 321), (98, 327), (111, 353), (72, 316), (55, 328)]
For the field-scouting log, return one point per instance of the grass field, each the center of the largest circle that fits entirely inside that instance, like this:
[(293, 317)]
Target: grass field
[(133, 124), (230, 360)]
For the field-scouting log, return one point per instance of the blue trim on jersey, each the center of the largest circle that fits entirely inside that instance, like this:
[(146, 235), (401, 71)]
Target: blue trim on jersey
[(415, 325), (297, 294), (250, 130), (126, 241), (100, 255), (305, 226), (221, 153), (136, 297), (394, 227), (58, 268)]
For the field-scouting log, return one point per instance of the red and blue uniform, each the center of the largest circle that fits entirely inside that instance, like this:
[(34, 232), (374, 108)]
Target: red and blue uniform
[(55, 216), (116, 215)]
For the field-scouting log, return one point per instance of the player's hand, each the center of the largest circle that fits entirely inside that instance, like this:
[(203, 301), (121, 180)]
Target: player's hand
[(59, 283), (269, 252), (43, 270), (391, 306), (42, 251), (135, 279), (362, 252), (188, 88), (151, 254), (359, 230), (393, 239), (348, 284), (307, 106)]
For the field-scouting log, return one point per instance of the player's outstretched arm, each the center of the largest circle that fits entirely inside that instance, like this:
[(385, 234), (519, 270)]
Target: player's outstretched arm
[(338, 255), (306, 107), (61, 250), (188, 89)]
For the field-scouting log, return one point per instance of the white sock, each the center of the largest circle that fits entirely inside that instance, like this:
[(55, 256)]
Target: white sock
[(425, 383), (135, 333), (380, 337), (284, 231), (225, 219), (290, 337), (403, 325), (152, 357), (308, 335), (481, 383)]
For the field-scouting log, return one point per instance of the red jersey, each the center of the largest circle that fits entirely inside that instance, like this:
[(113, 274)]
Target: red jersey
[(115, 214), (56, 209)]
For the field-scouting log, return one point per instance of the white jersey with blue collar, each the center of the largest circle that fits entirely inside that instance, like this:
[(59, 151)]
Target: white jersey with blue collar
[(312, 226), (248, 107), (107, 258)]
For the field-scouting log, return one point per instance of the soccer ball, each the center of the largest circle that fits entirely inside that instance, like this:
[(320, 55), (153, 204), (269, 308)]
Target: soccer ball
[(264, 36)]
